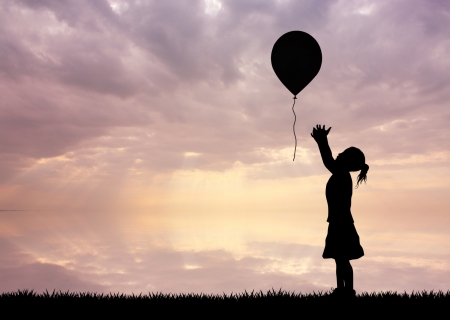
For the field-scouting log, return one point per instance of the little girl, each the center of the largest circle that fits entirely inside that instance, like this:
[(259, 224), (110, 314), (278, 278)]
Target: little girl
[(342, 242)]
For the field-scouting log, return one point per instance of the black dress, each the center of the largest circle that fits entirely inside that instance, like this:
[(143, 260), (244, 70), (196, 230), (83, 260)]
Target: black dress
[(342, 240)]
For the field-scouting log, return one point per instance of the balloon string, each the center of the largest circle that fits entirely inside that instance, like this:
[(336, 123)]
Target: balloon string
[(293, 128)]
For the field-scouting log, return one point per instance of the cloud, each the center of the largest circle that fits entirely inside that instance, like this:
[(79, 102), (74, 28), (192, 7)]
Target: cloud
[(205, 80), (111, 266), (107, 101), (42, 276), (20, 271)]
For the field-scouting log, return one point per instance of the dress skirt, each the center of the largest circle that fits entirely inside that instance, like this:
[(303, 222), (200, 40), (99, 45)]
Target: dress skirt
[(342, 242)]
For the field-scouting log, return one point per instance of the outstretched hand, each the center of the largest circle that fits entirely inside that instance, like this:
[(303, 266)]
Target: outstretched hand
[(320, 134)]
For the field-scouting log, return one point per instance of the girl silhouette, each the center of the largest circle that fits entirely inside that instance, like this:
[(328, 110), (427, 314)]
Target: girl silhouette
[(342, 242)]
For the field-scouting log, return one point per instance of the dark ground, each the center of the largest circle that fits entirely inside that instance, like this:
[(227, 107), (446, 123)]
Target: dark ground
[(273, 304)]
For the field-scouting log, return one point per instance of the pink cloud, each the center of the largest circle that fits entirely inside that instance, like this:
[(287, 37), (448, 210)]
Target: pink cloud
[(89, 94), (114, 267), (57, 85)]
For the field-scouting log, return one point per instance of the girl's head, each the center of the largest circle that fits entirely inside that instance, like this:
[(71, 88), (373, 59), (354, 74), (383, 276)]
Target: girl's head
[(352, 159)]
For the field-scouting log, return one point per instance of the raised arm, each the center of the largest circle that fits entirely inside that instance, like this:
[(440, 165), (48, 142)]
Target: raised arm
[(320, 135)]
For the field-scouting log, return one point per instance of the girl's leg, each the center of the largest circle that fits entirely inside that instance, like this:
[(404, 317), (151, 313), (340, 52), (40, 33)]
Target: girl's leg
[(344, 274), (348, 276), (340, 273)]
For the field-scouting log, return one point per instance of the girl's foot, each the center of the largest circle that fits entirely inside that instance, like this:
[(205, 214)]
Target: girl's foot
[(337, 292), (343, 293)]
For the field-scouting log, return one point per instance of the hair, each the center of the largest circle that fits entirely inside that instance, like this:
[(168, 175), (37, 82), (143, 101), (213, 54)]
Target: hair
[(357, 162), (362, 175)]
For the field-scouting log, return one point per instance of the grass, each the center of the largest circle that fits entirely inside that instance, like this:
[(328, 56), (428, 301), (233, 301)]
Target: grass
[(273, 304)]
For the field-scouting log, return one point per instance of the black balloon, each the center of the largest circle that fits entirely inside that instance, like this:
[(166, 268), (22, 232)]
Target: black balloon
[(296, 60)]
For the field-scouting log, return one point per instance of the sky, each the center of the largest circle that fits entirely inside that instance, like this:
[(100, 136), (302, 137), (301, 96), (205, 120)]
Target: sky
[(146, 146)]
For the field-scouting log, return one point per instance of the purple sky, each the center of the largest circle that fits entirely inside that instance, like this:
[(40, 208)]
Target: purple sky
[(151, 143)]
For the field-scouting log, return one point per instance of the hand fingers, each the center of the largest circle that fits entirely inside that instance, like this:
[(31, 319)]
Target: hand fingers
[(328, 131), (321, 127)]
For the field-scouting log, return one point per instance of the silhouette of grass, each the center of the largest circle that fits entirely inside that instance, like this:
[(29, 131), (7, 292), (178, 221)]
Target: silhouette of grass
[(237, 305)]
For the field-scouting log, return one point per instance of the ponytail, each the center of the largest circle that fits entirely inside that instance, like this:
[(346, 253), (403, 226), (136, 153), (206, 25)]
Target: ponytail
[(362, 175)]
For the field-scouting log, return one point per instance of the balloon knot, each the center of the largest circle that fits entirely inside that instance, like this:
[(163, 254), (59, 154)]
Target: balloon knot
[(295, 97)]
